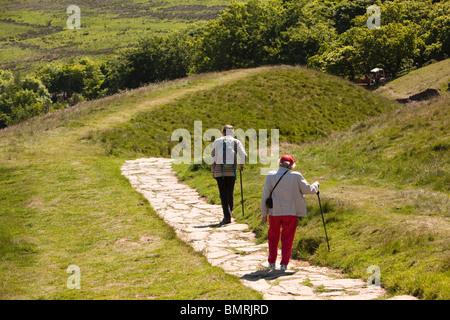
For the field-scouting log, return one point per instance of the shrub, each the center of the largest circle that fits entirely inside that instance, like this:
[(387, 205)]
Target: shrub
[(21, 101)]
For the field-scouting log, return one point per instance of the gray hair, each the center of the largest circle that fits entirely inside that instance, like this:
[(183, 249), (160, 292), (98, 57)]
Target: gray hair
[(287, 165)]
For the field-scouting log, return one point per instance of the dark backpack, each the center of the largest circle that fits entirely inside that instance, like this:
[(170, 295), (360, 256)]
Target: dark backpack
[(229, 155)]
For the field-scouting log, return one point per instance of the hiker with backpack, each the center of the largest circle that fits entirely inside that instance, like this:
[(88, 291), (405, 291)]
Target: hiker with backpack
[(283, 201), (228, 156)]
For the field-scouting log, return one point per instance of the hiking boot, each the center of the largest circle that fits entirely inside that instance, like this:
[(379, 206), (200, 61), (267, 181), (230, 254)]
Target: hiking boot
[(283, 267), (224, 222), (271, 267)]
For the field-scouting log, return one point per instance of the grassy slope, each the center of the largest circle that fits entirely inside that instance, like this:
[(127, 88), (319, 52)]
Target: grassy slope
[(301, 103), (64, 202), (434, 76), (387, 183), (384, 179)]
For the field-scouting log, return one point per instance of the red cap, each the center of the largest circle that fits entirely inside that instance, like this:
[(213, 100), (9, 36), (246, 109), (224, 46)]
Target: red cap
[(288, 158)]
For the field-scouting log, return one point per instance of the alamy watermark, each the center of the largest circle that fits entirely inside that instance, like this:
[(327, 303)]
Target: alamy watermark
[(374, 21), (258, 148), (375, 278), (74, 281), (74, 20)]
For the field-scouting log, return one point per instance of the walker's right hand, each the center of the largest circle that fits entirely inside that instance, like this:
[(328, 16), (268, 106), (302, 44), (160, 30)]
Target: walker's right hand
[(264, 220)]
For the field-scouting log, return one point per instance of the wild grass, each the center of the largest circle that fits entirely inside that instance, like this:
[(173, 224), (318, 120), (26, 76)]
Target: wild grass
[(64, 202)]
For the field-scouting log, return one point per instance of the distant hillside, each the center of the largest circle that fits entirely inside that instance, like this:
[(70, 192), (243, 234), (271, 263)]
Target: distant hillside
[(120, 45), (35, 32), (434, 76)]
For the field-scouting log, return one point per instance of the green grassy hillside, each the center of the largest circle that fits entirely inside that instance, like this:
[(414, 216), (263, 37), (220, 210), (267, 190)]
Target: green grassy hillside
[(385, 184), (383, 170), (303, 104)]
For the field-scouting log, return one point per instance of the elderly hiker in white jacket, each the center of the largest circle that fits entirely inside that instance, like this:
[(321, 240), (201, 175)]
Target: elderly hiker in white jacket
[(288, 204), (228, 156)]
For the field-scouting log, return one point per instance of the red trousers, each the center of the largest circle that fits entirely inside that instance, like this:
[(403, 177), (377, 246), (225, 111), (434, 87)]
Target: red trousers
[(287, 226)]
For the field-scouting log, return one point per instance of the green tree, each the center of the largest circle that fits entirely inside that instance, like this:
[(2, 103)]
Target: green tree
[(153, 59), (302, 42), (92, 79), (51, 76), (393, 47), (436, 34), (245, 35), (341, 56), (82, 77), (7, 87), (22, 100), (344, 12)]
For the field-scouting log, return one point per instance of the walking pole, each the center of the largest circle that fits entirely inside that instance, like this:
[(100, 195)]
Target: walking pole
[(321, 212), (242, 192)]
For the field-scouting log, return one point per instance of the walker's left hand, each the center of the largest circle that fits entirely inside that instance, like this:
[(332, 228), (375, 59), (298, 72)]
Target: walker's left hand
[(264, 220)]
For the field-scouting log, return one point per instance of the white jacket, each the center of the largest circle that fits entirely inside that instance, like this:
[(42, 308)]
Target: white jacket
[(288, 196), (217, 157)]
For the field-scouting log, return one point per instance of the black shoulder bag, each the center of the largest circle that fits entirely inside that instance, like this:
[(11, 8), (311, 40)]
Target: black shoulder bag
[(269, 201)]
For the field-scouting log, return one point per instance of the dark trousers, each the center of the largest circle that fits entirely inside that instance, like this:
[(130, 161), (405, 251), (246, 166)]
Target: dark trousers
[(226, 189)]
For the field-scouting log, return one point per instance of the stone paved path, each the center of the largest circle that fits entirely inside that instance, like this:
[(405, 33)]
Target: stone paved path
[(233, 247)]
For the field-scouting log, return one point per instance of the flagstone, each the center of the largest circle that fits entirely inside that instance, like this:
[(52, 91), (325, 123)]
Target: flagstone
[(233, 227), (296, 289), (338, 284), (204, 206), (248, 249), (219, 236), (252, 257), (259, 285), (197, 236), (218, 254), (180, 206)]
